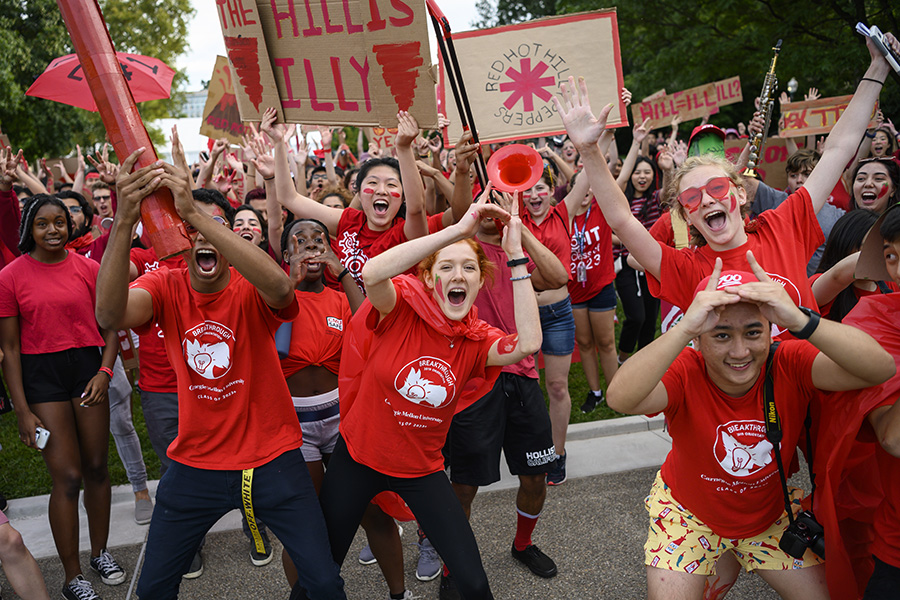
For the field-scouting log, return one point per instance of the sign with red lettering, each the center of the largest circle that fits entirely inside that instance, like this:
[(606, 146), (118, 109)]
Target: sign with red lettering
[(381, 137), (512, 72), (689, 104), (814, 116), (221, 117), (329, 62)]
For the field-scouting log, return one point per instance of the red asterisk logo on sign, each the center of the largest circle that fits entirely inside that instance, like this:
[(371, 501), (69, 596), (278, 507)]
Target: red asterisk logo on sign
[(527, 82)]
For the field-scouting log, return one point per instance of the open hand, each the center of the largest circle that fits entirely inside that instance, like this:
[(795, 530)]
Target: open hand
[(407, 129), (132, 187), (774, 303), (703, 313), (583, 127)]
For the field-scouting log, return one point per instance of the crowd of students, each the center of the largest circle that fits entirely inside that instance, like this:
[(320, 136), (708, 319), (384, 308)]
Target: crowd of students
[(352, 342)]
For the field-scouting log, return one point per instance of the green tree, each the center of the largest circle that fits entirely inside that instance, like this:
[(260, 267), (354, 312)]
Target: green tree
[(32, 34), (676, 45)]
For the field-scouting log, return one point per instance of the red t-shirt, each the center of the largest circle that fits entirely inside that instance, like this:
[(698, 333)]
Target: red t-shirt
[(317, 332), (234, 407), (55, 303), (887, 535), (394, 418), (10, 217), (590, 243), (496, 305), (553, 232), (355, 243), (782, 241), (662, 230), (721, 466), (157, 375)]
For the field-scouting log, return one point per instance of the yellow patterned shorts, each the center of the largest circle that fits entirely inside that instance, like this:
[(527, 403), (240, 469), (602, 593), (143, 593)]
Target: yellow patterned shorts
[(679, 541)]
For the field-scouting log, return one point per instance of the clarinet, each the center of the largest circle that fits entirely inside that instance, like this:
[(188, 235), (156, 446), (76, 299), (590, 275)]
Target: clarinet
[(766, 105)]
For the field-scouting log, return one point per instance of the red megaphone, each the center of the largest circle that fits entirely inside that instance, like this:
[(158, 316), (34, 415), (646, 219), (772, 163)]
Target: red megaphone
[(515, 168)]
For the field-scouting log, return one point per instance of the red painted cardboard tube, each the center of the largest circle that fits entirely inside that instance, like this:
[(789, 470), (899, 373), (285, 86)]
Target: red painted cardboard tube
[(121, 118)]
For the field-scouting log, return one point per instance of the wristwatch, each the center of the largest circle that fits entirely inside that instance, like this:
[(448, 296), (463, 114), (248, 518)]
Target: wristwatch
[(810, 327)]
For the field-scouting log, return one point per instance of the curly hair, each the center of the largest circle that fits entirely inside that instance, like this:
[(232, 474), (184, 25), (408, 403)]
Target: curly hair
[(673, 188), (336, 190), (484, 263)]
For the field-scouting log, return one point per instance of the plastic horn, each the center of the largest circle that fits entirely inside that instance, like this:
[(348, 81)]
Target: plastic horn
[(515, 168), (123, 124), (454, 76)]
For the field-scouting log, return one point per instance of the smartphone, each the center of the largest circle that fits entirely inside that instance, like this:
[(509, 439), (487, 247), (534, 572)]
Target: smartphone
[(41, 436), (876, 36)]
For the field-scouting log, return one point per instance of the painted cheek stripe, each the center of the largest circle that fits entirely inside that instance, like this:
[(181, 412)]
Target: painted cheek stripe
[(508, 344)]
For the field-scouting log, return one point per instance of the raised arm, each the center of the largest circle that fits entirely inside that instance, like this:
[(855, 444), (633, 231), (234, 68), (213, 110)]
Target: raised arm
[(301, 206), (845, 136), (584, 130), (265, 165), (117, 306), (250, 260), (637, 386), (640, 134), (461, 199), (833, 281), (416, 224), (527, 339), (850, 359)]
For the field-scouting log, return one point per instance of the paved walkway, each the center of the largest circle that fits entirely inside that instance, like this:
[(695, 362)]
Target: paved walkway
[(593, 526)]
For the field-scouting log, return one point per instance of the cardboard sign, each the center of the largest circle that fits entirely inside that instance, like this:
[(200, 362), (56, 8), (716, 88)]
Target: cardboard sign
[(381, 137), (70, 164), (814, 116), (4, 141), (771, 164), (512, 72), (355, 62), (221, 116), (655, 95), (700, 101), (128, 349)]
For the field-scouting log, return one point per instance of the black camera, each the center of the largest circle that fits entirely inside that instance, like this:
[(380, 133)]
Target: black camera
[(805, 532)]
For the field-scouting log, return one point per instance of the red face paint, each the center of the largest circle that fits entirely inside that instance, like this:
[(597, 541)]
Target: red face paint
[(883, 191), (733, 201), (508, 344), (438, 286), (368, 190), (256, 230), (394, 194)]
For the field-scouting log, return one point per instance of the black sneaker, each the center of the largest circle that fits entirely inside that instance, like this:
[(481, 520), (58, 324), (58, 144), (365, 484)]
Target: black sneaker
[(539, 563), (109, 570), (558, 475), (196, 568), (79, 589), (447, 589), (261, 559), (592, 401)]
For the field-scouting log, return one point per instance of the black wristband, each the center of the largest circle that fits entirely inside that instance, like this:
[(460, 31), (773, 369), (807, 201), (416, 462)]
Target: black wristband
[(517, 261), (343, 273), (872, 80), (269, 178), (810, 327)]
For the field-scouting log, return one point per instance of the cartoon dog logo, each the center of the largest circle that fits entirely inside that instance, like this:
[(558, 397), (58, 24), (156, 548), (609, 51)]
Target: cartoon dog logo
[(742, 449), (426, 381), (208, 349)]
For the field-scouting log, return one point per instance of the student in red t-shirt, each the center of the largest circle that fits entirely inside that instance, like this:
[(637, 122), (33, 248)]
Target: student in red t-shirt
[(58, 379), (434, 357), (385, 184), (718, 490), (238, 443), (551, 225), (711, 196)]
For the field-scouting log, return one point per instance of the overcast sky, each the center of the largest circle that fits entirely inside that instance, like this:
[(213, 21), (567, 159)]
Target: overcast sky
[(205, 36)]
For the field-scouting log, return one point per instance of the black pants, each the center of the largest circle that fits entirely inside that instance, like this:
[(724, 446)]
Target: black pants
[(884, 583), (640, 308), (348, 488)]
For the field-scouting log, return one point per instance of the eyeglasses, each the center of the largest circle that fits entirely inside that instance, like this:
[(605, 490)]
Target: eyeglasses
[(876, 159), (75, 210), (191, 230), (99, 198), (717, 187)]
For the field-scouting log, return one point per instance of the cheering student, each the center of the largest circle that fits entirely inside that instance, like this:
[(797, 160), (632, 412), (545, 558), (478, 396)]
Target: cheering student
[(435, 358), (718, 490), (238, 443), (710, 195)]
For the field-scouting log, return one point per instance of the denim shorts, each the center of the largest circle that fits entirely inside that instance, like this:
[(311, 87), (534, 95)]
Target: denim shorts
[(602, 302), (558, 327)]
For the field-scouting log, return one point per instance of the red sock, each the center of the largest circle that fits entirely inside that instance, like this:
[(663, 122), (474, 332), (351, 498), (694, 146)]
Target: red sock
[(525, 524), (446, 571)]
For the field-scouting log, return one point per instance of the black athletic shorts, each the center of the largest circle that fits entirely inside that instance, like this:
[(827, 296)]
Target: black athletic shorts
[(58, 376), (512, 416)]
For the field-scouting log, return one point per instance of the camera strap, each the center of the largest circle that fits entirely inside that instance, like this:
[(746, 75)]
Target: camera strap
[(773, 427)]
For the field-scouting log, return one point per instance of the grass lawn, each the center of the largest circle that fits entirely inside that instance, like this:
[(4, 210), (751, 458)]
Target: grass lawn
[(23, 473)]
